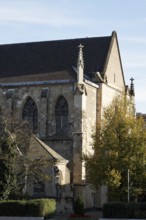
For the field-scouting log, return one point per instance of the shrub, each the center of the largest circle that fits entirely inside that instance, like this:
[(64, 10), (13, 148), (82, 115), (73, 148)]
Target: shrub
[(124, 210), (79, 206), (36, 207)]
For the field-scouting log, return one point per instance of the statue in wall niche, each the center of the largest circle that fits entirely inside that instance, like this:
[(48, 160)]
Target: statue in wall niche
[(58, 182)]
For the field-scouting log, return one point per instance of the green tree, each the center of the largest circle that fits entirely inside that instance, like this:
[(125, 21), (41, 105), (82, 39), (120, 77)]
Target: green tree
[(7, 167), (17, 165), (119, 145)]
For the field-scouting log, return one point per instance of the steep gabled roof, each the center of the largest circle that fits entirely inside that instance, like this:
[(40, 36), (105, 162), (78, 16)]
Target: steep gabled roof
[(114, 36), (50, 151), (48, 56)]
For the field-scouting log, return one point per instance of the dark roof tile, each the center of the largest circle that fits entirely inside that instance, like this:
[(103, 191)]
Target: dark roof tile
[(48, 56)]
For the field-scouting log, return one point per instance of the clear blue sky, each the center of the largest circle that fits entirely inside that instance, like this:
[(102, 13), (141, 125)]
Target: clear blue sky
[(39, 20)]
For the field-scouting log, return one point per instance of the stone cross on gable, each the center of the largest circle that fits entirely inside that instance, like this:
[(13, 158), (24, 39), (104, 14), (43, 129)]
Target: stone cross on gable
[(132, 80), (132, 92)]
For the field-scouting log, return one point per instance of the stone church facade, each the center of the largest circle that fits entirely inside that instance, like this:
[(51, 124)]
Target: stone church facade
[(61, 88)]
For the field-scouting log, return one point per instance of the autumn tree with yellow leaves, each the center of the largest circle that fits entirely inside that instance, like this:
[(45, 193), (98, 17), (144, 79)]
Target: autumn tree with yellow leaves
[(119, 146)]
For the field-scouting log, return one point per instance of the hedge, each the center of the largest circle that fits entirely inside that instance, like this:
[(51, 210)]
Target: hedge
[(36, 207), (124, 210)]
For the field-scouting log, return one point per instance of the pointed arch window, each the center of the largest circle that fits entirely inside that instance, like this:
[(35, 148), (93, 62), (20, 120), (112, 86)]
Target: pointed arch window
[(61, 113), (30, 114)]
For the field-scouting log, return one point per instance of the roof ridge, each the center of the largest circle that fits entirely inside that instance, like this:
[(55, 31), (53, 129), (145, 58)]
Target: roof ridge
[(56, 40)]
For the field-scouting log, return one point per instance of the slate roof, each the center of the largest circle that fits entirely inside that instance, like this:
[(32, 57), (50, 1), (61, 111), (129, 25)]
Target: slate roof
[(51, 56)]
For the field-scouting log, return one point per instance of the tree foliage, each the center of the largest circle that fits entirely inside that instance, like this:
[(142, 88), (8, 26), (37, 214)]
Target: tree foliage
[(119, 145), (78, 206), (14, 138), (7, 167), (18, 166)]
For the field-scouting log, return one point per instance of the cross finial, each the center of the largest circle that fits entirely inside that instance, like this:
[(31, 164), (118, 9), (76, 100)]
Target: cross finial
[(132, 80), (80, 46), (132, 92)]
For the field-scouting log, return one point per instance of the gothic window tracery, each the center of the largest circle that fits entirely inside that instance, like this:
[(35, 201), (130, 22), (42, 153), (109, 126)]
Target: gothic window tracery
[(30, 114), (61, 114)]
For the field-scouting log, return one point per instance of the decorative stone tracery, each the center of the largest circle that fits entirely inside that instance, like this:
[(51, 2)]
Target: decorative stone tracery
[(30, 114), (61, 114)]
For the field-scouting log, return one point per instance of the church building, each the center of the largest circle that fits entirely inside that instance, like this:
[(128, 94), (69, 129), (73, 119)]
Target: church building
[(61, 88)]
